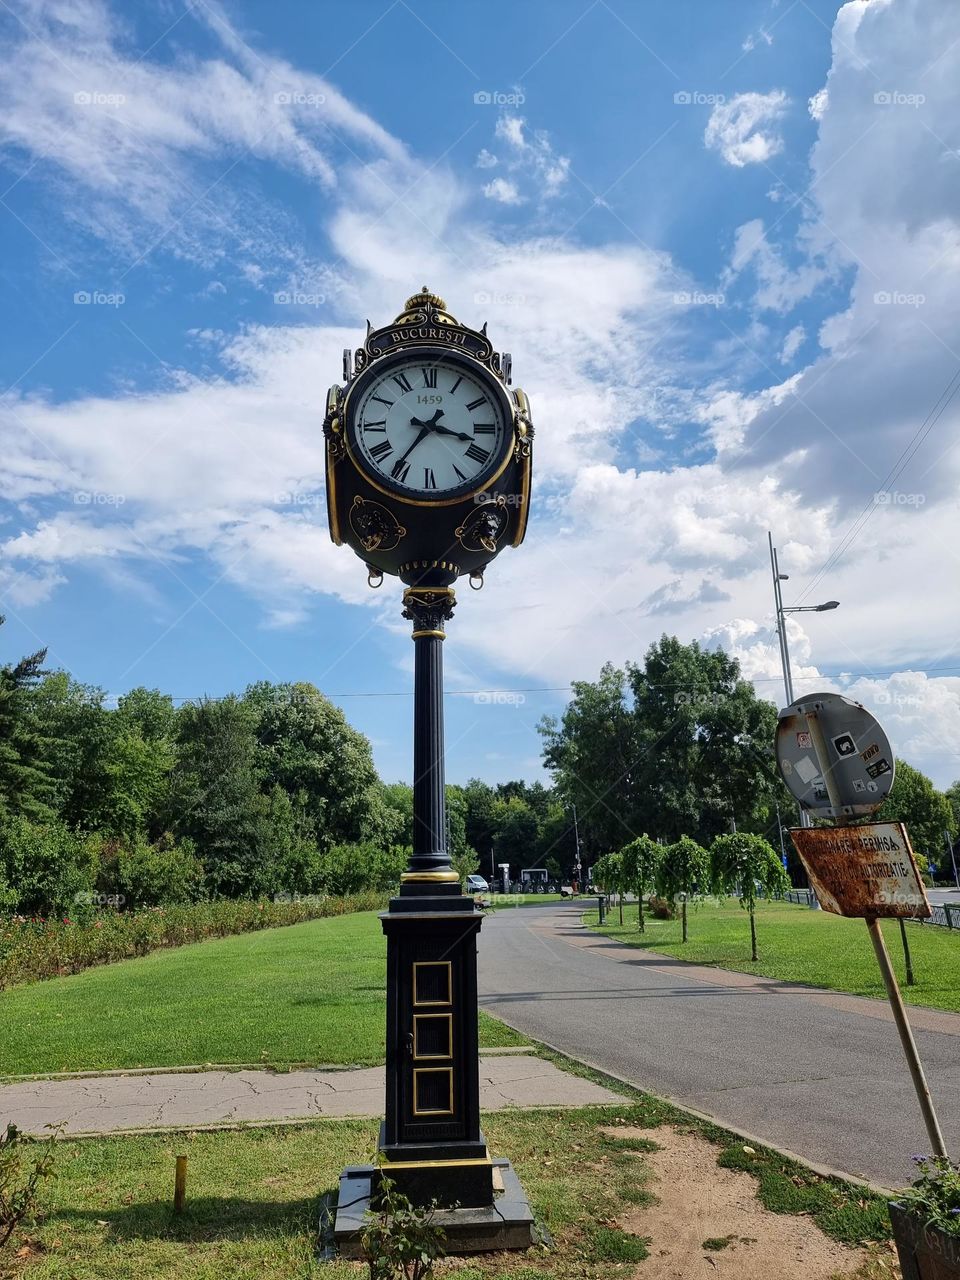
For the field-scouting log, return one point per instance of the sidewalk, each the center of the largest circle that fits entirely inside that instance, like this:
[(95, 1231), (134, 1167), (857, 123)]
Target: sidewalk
[(125, 1101)]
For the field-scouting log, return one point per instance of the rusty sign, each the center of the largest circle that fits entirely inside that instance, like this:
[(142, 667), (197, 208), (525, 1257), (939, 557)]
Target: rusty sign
[(866, 871)]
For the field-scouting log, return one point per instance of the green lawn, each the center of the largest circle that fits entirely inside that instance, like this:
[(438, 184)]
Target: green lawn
[(253, 1199), (800, 945), (311, 993)]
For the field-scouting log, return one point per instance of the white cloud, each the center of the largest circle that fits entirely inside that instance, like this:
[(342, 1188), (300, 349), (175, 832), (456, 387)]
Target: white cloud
[(743, 128), (503, 191), (792, 343), (531, 156), (486, 159), (818, 104)]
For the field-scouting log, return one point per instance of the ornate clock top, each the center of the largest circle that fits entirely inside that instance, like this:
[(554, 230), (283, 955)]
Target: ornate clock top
[(422, 303)]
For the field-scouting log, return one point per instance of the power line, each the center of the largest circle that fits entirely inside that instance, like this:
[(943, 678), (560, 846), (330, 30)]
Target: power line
[(565, 688)]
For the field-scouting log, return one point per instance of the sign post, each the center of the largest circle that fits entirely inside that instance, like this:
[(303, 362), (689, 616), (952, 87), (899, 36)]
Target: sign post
[(830, 750)]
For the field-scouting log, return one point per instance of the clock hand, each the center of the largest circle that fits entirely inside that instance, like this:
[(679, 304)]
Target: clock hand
[(431, 425), (445, 431), (421, 436)]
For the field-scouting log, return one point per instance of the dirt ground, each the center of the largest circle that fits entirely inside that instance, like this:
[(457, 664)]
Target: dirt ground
[(701, 1201)]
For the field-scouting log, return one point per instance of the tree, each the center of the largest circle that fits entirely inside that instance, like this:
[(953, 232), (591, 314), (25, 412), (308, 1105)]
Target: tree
[(641, 860), (26, 786), (704, 742), (215, 797), (307, 747), (611, 875), (683, 873), (517, 832), (591, 753), (742, 862), (679, 744), (925, 811)]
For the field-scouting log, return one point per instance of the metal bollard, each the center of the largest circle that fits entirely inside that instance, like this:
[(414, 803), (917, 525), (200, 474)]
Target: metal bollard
[(600, 906)]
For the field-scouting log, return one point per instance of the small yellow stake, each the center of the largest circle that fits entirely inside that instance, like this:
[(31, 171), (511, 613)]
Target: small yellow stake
[(180, 1185)]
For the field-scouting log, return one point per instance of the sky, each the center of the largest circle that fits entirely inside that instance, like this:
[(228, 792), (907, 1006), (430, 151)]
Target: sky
[(721, 242)]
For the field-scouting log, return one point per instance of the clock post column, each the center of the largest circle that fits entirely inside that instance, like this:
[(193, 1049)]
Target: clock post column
[(430, 1142)]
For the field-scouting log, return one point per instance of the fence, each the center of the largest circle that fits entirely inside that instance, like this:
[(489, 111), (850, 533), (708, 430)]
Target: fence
[(946, 914)]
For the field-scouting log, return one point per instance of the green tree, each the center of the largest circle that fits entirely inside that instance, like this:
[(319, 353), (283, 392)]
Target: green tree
[(684, 873), (591, 752), (215, 796), (481, 817), (926, 812), (704, 742), (745, 863), (306, 746), (641, 860), (26, 785), (517, 832)]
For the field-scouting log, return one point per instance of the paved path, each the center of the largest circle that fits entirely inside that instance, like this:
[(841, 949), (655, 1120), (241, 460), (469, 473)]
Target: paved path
[(184, 1099), (818, 1073)]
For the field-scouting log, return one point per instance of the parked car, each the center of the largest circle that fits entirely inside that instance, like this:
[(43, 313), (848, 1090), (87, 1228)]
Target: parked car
[(477, 884)]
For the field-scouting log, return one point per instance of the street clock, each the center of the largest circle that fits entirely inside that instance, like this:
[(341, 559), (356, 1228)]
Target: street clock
[(428, 449)]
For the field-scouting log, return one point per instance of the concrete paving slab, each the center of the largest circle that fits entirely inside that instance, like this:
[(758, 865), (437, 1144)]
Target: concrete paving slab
[(110, 1103)]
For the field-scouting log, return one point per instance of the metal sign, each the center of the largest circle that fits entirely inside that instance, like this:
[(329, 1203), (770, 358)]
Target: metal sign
[(828, 732), (865, 871)]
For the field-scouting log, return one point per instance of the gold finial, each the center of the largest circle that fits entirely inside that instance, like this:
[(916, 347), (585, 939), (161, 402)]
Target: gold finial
[(422, 301)]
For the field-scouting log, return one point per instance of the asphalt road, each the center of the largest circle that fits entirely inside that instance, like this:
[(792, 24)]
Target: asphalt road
[(817, 1073)]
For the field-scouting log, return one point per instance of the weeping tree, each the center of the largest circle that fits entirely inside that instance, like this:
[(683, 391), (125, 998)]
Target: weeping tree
[(608, 874), (684, 873), (745, 864), (641, 860)]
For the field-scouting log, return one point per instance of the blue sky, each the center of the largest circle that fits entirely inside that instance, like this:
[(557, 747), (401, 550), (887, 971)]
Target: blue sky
[(719, 240)]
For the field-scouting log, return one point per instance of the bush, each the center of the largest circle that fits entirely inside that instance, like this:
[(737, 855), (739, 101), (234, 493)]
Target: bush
[(46, 865), (20, 1177), (663, 909), (32, 949), (159, 875)]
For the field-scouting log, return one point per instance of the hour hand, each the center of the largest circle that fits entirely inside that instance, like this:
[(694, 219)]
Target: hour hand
[(432, 425), (445, 431)]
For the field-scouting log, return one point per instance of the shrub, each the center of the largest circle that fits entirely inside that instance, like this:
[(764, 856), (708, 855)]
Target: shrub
[(19, 1177), (46, 865), (32, 949), (662, 909), (400, 1241), (160, 874)]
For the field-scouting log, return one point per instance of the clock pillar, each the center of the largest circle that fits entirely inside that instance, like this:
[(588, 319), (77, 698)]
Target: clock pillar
[(431, 1145), (428, 609)]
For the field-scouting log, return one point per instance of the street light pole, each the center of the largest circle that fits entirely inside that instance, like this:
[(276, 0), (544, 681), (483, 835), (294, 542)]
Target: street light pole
[(782, 611), (578, 867)]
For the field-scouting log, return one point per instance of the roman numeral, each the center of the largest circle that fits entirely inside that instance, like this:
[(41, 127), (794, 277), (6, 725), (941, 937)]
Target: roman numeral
[(477, 454), (484, 428), (403, 382), (455, 385), (401, 469), (380, 451), (475, 404), (429, 377), (380, 400), (458, 472), (375, 426), (429, 481)]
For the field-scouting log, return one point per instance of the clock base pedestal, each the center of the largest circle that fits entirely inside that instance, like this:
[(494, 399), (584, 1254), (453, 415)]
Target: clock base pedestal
[(506, 1223)]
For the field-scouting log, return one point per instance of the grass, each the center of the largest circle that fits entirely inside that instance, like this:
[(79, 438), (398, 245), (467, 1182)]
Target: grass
[(253, 1199), (500, 900), (310, 993), (799, 945)]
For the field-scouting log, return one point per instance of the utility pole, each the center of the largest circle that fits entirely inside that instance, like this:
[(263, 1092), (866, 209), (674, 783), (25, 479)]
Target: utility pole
[(782, 611)]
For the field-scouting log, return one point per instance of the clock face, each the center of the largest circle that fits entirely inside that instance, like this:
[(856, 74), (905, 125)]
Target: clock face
[(429, 427)]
